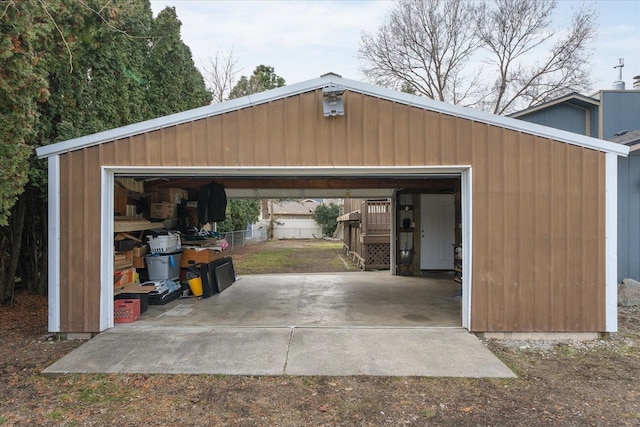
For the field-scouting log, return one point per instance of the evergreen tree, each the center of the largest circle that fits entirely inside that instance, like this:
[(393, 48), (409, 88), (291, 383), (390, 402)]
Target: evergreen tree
[(23, 86), (173, 83), (240, 213), (327, 217), (68, 69), (263, 78)]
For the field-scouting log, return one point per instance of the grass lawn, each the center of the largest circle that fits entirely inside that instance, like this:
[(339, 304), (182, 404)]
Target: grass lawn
[(304, 256)]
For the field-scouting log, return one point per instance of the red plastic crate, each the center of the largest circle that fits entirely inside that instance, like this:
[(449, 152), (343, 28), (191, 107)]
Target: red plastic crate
[(126, 310)]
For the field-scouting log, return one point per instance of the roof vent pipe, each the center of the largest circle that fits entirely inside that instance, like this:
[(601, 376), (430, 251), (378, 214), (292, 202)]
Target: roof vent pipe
[(619, 84), (636, 82)]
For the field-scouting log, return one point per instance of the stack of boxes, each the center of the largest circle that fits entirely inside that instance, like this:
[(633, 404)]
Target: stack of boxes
[(162, 265), (164, 204), (124, 271)]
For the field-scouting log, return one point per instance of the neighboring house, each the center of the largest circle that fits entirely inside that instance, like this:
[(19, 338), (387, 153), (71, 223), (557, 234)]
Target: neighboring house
[(613, 115), (629, 204), (290, 219)]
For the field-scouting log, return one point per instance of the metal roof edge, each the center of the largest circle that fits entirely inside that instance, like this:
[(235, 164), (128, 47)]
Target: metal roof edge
[(484, 117), (182, 117), (309, 85)]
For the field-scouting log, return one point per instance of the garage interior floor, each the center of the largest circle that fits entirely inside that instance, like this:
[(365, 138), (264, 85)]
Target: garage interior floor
[(357, 323)]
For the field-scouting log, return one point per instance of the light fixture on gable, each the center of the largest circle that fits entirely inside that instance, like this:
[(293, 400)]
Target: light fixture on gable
[(332, 104)]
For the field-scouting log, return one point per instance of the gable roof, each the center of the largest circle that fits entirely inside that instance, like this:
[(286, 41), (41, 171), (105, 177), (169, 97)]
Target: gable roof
[(574, 99), (629, 138), (319, 83)]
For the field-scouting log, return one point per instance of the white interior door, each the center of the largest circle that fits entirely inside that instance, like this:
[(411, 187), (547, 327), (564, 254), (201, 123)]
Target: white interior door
[(437, 231)]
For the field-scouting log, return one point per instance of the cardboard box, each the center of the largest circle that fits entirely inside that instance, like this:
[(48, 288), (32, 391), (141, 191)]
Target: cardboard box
[(194, 256), (123, 260), (140, 251), (172, 195), (162, 210), (124, 278), (138, 262), (138, 256)]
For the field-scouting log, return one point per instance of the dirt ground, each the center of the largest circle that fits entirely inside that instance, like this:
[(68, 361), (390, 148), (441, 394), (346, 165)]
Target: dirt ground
[(566, 384)]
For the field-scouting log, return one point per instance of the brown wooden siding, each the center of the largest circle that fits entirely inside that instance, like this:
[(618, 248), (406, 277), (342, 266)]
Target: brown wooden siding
[(538, 205), (80, 242)]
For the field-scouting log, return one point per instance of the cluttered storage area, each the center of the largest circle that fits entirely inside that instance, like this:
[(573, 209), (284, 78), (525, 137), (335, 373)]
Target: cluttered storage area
[(166, 245)]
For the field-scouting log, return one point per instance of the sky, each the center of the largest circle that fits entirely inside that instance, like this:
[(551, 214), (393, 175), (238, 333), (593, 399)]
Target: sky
[(305, 39)]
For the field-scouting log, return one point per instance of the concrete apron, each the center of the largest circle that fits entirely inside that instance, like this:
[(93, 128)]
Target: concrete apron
[(360, 323)]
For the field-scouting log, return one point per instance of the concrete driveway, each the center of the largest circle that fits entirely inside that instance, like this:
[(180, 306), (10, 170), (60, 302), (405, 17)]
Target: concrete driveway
[(359, 323)]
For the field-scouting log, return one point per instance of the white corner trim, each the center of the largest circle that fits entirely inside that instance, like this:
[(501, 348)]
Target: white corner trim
[(394, 232), (106, 245), (611, 242), (53, 242), (466, 186)]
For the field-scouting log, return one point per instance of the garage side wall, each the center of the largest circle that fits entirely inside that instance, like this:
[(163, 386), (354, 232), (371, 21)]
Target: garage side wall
[(538, 204), (79, 242)]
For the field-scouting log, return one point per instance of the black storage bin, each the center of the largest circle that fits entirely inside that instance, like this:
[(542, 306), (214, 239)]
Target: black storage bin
[(143, 297), (165, 297), (124, 245), (221, 274)]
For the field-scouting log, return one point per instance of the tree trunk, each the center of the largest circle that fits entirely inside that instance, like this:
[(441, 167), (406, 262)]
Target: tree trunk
[(42, 273), (4, 244), (17, 221)]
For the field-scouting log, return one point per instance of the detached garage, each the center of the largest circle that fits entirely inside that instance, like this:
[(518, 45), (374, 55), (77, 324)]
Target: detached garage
[(536, 215)]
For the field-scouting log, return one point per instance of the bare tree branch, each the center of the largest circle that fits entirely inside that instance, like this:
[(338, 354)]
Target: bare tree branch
[(422, 44), (428, 46), (220, 75)]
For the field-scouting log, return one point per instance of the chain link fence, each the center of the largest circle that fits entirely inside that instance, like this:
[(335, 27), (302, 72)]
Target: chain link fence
[(237, 239)]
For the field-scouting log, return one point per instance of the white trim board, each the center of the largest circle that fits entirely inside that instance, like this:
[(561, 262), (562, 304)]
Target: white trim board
[(466, 186), (53, 242), (611, 243), (349, 85), (106, 260)]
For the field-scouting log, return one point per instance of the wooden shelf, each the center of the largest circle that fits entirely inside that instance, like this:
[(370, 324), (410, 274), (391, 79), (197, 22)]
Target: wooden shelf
[(120, 226)]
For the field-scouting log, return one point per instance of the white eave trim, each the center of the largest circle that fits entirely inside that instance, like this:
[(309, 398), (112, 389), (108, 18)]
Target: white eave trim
[(350, 85), (183, 117), (488, 118)]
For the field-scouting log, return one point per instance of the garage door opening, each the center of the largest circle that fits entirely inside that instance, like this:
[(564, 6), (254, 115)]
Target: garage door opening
[(405, 234)]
